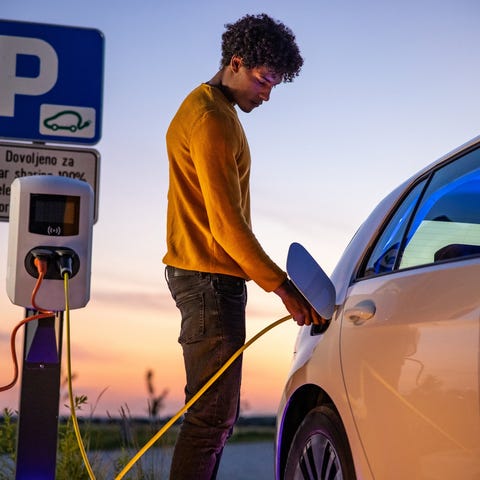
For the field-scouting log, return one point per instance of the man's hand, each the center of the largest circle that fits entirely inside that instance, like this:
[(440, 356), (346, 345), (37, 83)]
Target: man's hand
[(301, 311)]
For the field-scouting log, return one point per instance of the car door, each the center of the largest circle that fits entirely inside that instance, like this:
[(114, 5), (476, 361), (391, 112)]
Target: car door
[(410, 337)]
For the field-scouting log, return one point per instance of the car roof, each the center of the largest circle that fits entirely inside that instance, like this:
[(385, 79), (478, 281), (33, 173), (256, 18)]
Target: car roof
[(343, 273)]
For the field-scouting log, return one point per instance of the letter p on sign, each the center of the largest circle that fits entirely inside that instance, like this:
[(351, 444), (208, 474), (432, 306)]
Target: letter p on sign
[(11, 84)]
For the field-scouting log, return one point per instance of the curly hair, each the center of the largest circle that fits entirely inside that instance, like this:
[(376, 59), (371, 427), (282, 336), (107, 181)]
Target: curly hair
[(262, 41)]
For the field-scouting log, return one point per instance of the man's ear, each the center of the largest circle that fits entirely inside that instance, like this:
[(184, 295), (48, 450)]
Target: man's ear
[(235, 63)]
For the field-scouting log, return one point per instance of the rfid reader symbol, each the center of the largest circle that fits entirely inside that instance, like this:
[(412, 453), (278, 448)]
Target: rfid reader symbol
[(54, 230)]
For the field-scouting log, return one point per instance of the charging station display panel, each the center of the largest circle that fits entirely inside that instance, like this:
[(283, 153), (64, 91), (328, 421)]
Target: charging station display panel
[(54, 214)]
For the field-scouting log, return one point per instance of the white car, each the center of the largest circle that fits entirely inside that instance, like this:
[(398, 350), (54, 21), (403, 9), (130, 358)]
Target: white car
[(390, 389)]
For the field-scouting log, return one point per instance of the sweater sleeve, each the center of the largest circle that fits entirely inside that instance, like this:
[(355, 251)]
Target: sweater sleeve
[(221, 158)]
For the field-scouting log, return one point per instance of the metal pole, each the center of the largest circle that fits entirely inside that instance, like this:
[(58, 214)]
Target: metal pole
[(39, 399)]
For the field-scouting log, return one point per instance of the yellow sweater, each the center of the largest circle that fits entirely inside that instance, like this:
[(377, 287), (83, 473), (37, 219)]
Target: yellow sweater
[(208, 217)]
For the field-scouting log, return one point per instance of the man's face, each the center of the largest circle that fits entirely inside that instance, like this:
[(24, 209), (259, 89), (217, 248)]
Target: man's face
[(251, 87)]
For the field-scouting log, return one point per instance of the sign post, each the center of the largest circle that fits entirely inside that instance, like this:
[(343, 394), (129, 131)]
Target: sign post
[(39, 399)]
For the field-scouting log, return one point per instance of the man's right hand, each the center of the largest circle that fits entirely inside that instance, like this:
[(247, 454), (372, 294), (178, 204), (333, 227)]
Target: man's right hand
[(302, 312)]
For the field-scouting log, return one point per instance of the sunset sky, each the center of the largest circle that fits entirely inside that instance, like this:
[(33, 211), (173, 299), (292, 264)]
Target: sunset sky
[(387, 87)]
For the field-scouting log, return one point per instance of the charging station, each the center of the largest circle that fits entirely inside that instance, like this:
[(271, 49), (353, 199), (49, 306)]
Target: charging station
[(51, 219)]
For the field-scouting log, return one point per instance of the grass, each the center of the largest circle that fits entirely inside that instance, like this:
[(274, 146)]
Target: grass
[(7, 444), (124, 434), (109, 434)]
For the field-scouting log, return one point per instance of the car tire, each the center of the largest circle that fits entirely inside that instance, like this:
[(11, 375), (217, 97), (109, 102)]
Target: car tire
[(320, 449)]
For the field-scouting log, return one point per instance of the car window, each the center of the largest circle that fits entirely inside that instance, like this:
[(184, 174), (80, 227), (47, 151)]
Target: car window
[(433, 224), (384, 255), (447, 222)]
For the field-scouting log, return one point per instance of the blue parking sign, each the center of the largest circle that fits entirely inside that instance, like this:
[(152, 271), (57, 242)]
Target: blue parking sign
[(51, 82)]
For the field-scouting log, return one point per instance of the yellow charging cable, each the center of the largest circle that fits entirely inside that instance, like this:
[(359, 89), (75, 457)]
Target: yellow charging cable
[(198, 395), (69, 379), (164, 429)]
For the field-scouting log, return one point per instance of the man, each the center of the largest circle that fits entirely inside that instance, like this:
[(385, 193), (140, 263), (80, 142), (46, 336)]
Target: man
[(212, 250)]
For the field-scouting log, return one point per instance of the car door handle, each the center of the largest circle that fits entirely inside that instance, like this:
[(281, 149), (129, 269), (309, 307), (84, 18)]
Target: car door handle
[(361, 312)]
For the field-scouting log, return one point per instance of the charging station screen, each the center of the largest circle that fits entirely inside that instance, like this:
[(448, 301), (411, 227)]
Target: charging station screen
[(54, 215)]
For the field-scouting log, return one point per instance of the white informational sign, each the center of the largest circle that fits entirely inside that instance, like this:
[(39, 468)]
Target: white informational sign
[(23, 160)]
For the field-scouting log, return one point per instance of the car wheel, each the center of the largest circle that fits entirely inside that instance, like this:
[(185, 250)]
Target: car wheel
[(320, 450)]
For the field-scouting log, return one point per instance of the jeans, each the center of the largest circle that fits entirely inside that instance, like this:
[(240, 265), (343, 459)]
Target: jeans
[(212, 308)]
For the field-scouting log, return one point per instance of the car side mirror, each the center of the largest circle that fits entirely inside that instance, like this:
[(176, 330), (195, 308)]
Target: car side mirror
[(312, 282)]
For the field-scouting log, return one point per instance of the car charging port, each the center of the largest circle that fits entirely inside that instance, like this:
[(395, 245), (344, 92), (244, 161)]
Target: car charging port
[(319, 329)]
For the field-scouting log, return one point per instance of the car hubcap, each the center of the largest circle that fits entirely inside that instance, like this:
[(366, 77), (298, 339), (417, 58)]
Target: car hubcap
[(319, 461)]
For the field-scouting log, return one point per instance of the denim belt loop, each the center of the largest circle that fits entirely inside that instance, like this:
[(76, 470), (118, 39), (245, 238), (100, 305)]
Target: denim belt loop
[(180, 272)]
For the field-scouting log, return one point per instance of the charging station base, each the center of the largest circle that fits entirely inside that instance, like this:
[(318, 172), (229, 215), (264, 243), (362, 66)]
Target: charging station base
[(39, 399)]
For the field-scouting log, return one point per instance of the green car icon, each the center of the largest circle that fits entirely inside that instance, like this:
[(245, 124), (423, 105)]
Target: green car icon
[(66, 120)]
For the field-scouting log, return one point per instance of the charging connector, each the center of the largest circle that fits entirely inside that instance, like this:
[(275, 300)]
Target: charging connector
[(64, 257), (41, 257), (41, 260)]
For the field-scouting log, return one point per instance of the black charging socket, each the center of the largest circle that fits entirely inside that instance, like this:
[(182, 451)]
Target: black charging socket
[(59, 260)]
